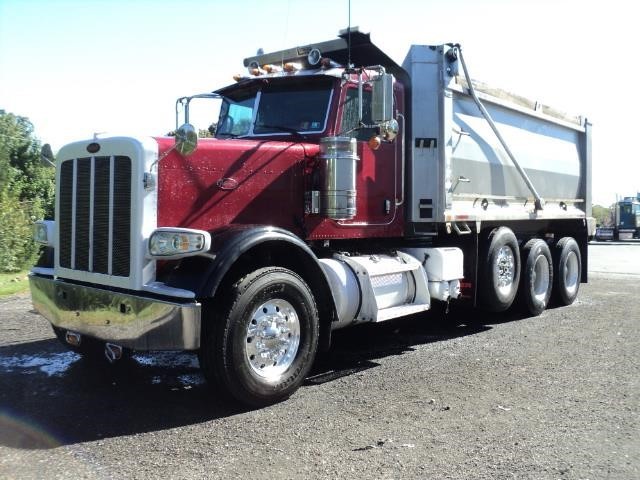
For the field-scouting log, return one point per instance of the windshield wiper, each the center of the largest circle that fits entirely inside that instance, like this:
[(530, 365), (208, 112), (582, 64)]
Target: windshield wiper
[(231, 135), (281, 128)]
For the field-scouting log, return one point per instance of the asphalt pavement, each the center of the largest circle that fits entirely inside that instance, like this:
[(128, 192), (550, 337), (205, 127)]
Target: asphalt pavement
[(470, 396)]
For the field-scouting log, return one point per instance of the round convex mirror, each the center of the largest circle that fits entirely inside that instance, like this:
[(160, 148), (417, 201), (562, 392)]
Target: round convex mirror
[(186, 139)]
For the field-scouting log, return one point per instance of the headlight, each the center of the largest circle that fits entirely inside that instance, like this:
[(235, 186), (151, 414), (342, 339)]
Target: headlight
[(43, 232), (178, 242)]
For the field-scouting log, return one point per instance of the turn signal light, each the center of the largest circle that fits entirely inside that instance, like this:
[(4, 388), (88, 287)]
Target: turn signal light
[(43, 232), (375, 142)]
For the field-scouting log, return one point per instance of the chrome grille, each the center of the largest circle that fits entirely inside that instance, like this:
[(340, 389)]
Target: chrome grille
[(95, 214)]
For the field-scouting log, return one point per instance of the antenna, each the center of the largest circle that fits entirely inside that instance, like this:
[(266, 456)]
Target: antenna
[(286, 33), (349, 38)]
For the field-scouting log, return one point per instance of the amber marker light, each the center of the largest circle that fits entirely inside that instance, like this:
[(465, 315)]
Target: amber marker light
[(291, 67), (271, 68), (375, 142)]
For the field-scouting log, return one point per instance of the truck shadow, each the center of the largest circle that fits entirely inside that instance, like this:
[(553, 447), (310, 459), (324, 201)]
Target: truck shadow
[(356, 349), (51, 397)]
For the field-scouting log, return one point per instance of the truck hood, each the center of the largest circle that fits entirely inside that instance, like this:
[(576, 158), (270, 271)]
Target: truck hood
[(232, 181)]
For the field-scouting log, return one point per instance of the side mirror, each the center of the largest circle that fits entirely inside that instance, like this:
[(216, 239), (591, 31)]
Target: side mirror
[(389, 130), (382, 99), (186, 139)]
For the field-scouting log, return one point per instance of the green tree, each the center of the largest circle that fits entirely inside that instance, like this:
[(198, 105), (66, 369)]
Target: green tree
[(26, 191), (603, 215)]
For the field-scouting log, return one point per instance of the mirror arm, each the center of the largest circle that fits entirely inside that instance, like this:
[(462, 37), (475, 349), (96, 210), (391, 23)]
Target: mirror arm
[(184, 102)]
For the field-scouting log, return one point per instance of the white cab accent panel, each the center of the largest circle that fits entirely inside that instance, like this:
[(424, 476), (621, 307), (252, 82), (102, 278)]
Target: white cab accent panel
[(440, 263)]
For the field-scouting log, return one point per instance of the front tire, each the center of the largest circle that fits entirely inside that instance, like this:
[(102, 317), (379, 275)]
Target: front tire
[(260, 348), (567, 273), (501, 270), (537, 280)]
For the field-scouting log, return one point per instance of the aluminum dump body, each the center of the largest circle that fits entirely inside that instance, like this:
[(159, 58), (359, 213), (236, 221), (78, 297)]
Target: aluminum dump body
[(459, 169)]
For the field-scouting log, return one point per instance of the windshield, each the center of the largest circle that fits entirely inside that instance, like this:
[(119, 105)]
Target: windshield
[(276, 106)]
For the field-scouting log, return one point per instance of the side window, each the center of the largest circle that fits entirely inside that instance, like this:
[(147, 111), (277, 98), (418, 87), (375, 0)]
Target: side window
[(236, 116), (350, 115)]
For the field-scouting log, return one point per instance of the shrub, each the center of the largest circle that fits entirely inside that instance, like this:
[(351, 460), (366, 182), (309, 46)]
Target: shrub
[(17, 248)]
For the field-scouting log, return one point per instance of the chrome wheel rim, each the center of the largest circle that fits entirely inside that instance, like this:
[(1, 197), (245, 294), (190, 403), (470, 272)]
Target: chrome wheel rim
[(571, 273), (505, 269), (541, 278), (273, 338)]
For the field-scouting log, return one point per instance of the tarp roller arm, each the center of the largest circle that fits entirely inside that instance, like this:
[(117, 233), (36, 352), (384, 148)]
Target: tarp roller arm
[(539, 202)]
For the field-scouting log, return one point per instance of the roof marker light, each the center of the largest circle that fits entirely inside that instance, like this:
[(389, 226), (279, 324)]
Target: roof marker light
[(292, 67), (328, 63), (269, 68), (252, 66)]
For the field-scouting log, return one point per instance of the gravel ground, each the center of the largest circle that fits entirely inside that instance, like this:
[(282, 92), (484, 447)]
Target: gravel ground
[(551, 397)]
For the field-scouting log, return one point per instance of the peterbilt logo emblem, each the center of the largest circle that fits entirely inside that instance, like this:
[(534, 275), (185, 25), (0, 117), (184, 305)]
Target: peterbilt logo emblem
[(227, 184), (93, 147)]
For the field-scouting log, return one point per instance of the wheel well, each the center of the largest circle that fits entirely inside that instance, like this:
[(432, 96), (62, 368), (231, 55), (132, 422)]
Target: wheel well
[(282, 254)]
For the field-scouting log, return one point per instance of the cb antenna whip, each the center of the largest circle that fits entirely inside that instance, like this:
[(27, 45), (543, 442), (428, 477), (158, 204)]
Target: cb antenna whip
[(349, 38)]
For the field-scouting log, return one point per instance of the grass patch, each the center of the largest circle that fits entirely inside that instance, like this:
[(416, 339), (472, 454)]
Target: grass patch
[(12, 283)]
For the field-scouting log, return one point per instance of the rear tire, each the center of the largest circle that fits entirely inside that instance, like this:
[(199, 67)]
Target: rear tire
[(537, 279), (500, 273), (567, 271), (259, 349)]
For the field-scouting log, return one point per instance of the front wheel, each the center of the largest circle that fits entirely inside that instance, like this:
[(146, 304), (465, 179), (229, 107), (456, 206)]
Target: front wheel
[(261, 346)]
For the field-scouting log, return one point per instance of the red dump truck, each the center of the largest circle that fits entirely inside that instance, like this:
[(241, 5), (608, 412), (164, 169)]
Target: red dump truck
[(339, 188)]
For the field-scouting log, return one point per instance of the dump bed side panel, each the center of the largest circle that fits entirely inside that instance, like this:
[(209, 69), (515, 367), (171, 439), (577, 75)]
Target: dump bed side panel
[(549, 153), (458, 166)]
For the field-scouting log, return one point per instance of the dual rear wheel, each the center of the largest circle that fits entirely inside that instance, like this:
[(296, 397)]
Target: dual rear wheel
[(532, 276)]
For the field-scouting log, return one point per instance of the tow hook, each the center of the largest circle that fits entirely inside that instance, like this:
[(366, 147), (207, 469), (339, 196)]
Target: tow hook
[(73, 338), (112, 352)]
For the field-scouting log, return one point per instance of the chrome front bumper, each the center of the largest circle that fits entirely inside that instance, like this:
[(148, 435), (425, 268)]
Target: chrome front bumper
[(135, 322)]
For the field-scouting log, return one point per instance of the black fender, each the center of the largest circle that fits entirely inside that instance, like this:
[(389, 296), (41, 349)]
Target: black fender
[(236, 250)]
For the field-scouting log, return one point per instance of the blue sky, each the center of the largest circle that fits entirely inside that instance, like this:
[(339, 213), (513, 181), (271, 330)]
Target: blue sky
[(78, 67)]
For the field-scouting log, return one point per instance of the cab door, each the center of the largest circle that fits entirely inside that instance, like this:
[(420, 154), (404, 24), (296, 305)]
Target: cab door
[(378, 172)]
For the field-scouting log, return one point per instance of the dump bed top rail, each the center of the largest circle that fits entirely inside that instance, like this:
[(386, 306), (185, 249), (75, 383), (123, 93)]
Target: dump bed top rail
[(517, 102)]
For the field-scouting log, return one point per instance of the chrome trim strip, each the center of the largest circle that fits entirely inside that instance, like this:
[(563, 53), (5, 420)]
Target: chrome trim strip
[(91, 203), (74, 188), (160, 288), (111, 188), (42, 271), (132, 321)]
